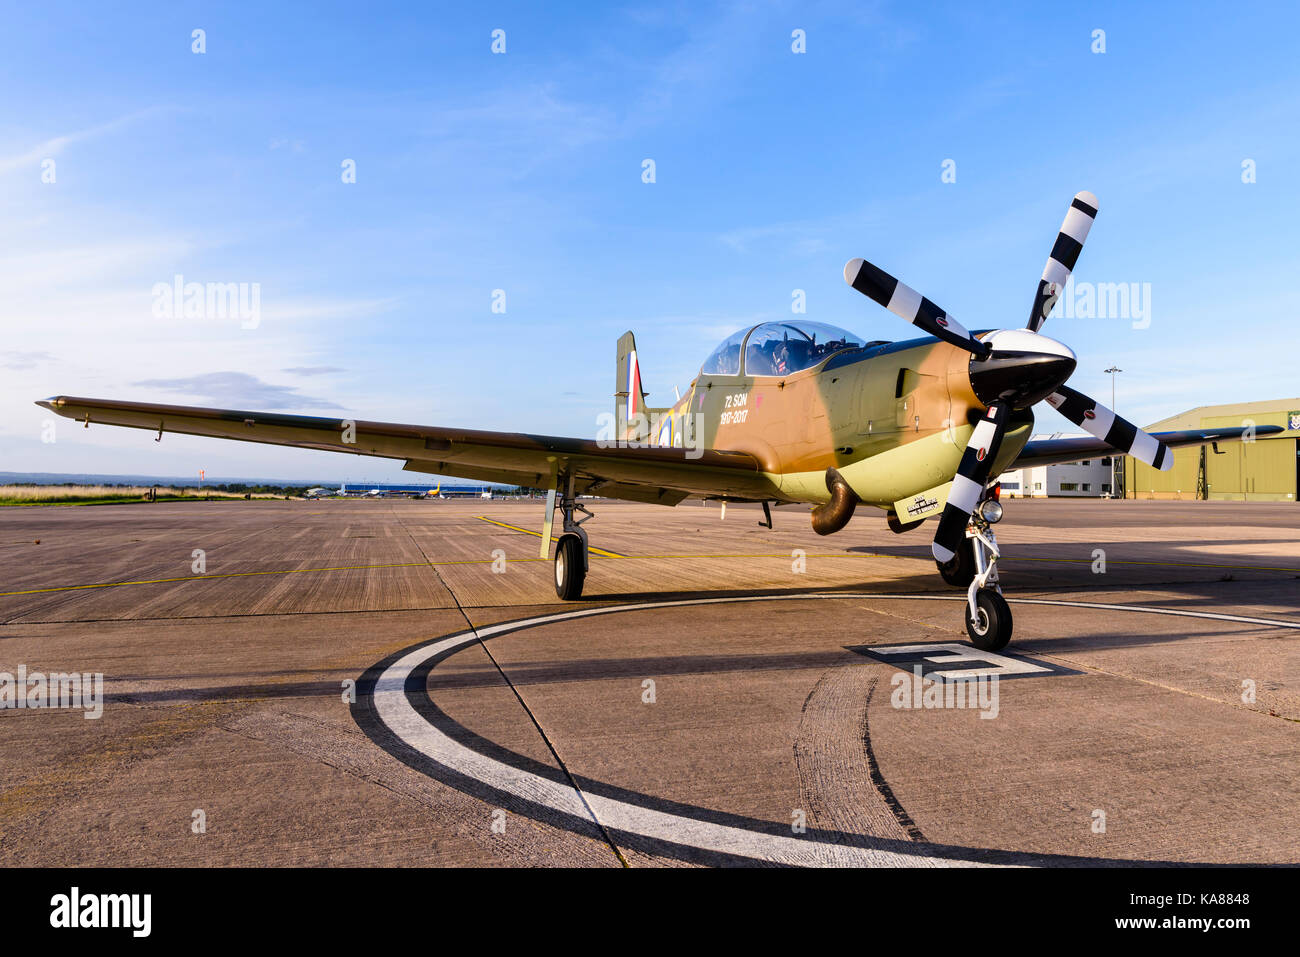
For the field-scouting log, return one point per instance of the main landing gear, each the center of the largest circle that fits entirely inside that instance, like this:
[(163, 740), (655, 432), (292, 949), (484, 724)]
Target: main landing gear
[(570, 567), (571, 550), (975, 568)]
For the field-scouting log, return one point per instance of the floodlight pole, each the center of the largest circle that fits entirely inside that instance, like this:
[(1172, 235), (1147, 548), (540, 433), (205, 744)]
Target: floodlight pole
[(1114, 484)]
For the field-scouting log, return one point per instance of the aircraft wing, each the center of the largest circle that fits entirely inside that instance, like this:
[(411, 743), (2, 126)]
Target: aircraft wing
[(645, 474), (1057, 451)]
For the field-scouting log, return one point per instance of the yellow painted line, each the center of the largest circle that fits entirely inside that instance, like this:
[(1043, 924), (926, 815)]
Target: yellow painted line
[(528, 531)]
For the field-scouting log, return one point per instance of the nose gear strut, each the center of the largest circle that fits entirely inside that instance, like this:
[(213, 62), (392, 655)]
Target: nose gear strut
[(988, 616)]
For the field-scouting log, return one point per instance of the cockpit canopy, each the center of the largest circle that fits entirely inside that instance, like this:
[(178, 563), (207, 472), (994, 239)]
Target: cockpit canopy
[(779, 348)]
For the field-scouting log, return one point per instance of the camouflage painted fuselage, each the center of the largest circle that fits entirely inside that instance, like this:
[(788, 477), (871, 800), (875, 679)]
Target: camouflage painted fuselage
[(891, 418)]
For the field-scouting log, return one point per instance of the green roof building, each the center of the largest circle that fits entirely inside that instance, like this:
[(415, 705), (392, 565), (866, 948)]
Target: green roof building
[(1263, 470)]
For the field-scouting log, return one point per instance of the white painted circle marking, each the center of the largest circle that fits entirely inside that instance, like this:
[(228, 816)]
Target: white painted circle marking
[(396, 712)]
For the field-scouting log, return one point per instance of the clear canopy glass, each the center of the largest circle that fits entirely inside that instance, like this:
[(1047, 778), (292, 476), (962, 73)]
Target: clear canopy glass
[(725, 359), (779, 348), (782, 348)]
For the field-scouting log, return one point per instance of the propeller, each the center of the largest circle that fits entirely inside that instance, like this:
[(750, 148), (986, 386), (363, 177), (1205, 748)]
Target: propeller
[(969, 482), (904, 301), (1011, 369), (1065, 253), (1099, 421)]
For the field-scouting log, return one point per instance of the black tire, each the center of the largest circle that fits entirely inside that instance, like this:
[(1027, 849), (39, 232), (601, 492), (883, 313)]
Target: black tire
[(993, 629), (959, 571), (570, 568)]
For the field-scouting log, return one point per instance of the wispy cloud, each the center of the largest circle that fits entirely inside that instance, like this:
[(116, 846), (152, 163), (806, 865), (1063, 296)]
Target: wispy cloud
[(313, 370), (58, 267), (238, 388), (794, 239), (55, 145), (283, 310), (23, 360)]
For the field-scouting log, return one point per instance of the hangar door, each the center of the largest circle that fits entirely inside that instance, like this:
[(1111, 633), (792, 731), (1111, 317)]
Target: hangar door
[(1264, 470)]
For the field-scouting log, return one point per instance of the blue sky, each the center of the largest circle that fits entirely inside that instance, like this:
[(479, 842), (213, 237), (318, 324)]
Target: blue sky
[(522, 172)]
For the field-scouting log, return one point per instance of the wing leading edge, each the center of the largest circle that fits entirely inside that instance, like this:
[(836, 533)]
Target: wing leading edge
[(1058, 451), (643, 474)]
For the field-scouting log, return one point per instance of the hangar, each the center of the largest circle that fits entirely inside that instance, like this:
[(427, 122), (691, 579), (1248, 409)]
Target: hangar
[(1264, 470)]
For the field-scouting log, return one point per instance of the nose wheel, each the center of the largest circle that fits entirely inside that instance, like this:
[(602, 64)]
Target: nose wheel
[(989, 627)]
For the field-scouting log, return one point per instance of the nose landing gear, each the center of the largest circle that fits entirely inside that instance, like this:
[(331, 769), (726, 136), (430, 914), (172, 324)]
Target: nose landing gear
[(974, 567), (988, 616)]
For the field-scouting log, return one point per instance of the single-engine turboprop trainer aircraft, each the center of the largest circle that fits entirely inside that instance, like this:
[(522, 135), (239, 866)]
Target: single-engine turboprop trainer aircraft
[(783, 412)]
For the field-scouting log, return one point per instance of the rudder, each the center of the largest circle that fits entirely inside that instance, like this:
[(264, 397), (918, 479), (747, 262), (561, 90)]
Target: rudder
[(631, 413)]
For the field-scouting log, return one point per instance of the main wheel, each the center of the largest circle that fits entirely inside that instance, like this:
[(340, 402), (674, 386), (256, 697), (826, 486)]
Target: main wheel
[(991, 629), (959, 570), (570, 568)]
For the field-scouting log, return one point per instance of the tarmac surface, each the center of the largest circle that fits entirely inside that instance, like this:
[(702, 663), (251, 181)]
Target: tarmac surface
[(392, 682)]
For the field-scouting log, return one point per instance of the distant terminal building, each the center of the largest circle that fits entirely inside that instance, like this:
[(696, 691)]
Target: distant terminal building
[(1265, 470), (1089, 478)]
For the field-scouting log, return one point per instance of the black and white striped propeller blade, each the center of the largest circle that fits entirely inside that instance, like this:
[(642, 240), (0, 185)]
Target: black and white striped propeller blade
[(904, 301), (1101, 422), (969, 482), (1065, 253)]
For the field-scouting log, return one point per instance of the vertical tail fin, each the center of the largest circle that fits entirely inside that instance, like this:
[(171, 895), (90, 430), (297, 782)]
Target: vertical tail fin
[(631, 413)]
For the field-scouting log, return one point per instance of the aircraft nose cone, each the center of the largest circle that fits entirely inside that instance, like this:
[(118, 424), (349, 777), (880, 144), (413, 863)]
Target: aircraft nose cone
[(1020, 379), (1022, 368)]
